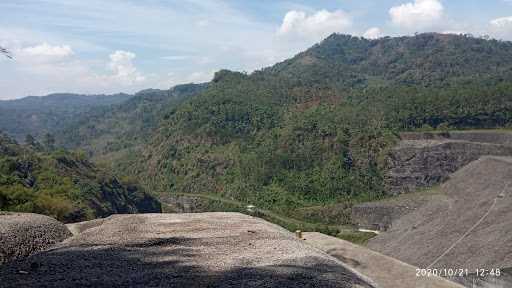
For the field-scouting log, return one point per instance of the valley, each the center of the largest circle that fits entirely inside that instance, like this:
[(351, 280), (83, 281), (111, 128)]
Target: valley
[(408, 136)]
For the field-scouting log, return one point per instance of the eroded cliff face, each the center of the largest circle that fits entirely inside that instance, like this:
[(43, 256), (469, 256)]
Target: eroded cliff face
[(423, 160)]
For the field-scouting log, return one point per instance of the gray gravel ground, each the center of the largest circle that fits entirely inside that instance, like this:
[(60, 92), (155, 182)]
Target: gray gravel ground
[(22, 234), (181, 250)]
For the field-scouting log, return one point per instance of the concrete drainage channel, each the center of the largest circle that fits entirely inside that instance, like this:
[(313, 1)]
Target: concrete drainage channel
[(369, 231)]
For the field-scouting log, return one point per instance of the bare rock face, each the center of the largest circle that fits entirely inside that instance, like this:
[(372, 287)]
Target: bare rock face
[(22, 234), (380, 215), (426, 159), (376, 216)]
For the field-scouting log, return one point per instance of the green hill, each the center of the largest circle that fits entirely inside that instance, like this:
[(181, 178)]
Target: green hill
[(307, 137), (113, 134), (63, 185), (314, 130), (40, 115)]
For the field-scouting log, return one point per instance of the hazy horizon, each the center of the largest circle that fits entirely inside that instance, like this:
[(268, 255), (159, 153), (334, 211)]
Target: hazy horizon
[(126, 46)]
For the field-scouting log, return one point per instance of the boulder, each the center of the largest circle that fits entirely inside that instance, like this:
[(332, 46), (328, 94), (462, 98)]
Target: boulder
[(23, 234)]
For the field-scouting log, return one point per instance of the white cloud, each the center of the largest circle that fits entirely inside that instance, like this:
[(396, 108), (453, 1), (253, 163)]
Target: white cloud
[(316, 25), (503, 22), (96, 28), (418, 14), (173, 79), (176, 57), (202, 23), (46, 50), (198, 77), (57, 69), (373, 33), (121, 64), (501, 28), (454, 32)]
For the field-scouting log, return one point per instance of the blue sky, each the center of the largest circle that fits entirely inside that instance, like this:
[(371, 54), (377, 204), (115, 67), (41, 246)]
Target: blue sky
[(100, 46)]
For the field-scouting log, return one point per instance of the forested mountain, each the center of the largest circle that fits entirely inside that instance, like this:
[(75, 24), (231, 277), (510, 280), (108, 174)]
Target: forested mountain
[(65, 185), (314, 130), (114, 133), (38, 116), (431, 59), (307, 134)]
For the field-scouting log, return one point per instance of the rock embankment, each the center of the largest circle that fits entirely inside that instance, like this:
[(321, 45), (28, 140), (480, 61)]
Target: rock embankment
[(385, 271), (380, 215), (22, 234), (469, 228), (181, 250), (426, 159)]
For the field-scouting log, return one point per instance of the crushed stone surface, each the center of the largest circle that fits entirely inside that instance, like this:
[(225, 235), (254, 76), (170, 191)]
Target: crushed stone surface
[(22, 234), (181, 250)]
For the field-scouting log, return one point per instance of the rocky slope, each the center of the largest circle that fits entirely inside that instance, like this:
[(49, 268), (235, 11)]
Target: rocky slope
[(474, 218), (396, 274), (181, 250), (422, 160), (22, 234), (380, 215)]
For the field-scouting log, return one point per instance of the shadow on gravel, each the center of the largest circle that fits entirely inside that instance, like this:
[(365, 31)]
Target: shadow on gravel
[(159, 263)]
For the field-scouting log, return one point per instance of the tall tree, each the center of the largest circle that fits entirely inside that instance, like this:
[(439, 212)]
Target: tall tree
[(31, 142), (49, 142), (29, 139)]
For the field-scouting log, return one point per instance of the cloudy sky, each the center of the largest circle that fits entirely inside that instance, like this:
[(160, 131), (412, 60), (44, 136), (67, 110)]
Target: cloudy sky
[(99, 46)]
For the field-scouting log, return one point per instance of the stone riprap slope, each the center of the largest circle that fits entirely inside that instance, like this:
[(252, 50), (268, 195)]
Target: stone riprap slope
[(426, 159), (380, 215), (22, 234), (483, 136), (488, 281), (474, 217), (385, 271), (181, 250)]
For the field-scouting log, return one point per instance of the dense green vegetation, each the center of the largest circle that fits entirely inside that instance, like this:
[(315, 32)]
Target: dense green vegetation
[(38, 116), (112, 134), (306, 138), (313, 131), (205, 202), (36, 178)]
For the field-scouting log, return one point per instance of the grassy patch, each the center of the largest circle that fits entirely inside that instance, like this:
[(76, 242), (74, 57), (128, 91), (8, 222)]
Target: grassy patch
[(356, 237), (215, 203)]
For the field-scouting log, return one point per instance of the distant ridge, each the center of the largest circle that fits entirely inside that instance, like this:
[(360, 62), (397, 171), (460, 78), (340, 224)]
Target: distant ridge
[(38, 115)]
